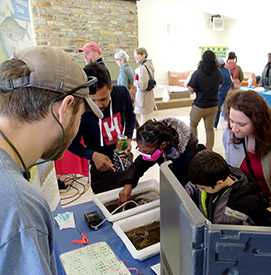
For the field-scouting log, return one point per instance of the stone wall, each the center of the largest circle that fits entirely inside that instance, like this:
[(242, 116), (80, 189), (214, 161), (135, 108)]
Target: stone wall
[(69, 25)]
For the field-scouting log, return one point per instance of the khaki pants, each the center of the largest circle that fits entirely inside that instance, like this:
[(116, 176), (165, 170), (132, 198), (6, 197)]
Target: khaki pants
[(208, 115)]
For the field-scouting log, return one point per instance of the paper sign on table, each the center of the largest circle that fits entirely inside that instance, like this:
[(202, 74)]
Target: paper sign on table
[(94, 259)]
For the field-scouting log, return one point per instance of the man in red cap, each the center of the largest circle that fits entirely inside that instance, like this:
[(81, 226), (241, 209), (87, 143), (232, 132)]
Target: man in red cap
[(92, 53)]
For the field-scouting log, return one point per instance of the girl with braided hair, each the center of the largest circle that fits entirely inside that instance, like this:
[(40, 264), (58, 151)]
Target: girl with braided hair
[(159, 141)]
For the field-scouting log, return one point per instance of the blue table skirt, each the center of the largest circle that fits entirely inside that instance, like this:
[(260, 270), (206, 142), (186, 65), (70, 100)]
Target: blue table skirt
[(64, 237), (267, 97)]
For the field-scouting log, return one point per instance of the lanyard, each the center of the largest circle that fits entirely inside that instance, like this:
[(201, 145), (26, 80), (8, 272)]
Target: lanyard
[(114, 124), (100, 123)]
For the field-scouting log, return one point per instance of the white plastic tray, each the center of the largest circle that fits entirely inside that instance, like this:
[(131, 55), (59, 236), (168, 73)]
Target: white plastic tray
[(101, 198), (130, 223)]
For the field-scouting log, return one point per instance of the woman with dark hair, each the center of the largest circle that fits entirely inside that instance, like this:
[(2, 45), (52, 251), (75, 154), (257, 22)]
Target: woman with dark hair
[(249, 133), (159, 141), (265, 80), (236, 70), (205, 82)]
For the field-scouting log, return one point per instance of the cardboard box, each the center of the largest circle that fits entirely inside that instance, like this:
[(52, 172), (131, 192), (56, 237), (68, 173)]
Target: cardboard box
[(102, 198), (133, 222)]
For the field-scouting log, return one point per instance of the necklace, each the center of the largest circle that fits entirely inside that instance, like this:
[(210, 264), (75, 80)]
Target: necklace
[(26, 173)]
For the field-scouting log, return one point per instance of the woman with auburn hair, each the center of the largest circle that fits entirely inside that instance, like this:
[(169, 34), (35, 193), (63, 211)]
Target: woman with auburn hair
[(249, 134)]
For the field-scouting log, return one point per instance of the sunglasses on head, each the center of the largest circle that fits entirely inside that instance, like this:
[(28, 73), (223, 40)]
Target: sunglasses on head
[(91, 84)]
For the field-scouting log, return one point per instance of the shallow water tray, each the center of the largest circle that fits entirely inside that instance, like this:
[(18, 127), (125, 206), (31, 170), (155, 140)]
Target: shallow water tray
[(134, 222), (102, 199)]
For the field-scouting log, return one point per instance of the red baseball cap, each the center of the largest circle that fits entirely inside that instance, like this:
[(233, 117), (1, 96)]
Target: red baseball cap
[(90, 46)]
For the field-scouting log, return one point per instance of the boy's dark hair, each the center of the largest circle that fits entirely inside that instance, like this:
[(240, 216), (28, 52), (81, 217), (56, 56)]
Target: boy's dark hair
[(206, 168), (100, 72)]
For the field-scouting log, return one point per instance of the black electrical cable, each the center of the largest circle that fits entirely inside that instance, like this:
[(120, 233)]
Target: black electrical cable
[(73, 180), (71, 196), (115, 210)]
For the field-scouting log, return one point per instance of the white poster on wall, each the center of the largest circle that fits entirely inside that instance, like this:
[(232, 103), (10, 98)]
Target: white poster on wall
[(16, 29)]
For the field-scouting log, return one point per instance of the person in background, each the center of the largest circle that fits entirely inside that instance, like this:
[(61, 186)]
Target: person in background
[(237, 73), (92, 53), (249, 129), (126, 74), (159, 141), (43, 93), (265, 80), (144, 100), (225, 194), (100, 135), (205, 82), (222, 90)]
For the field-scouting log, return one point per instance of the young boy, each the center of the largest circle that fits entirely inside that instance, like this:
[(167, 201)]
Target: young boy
[(224, 194)]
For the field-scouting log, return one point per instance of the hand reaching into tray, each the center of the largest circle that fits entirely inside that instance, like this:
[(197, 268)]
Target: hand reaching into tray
[(125, 193)]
